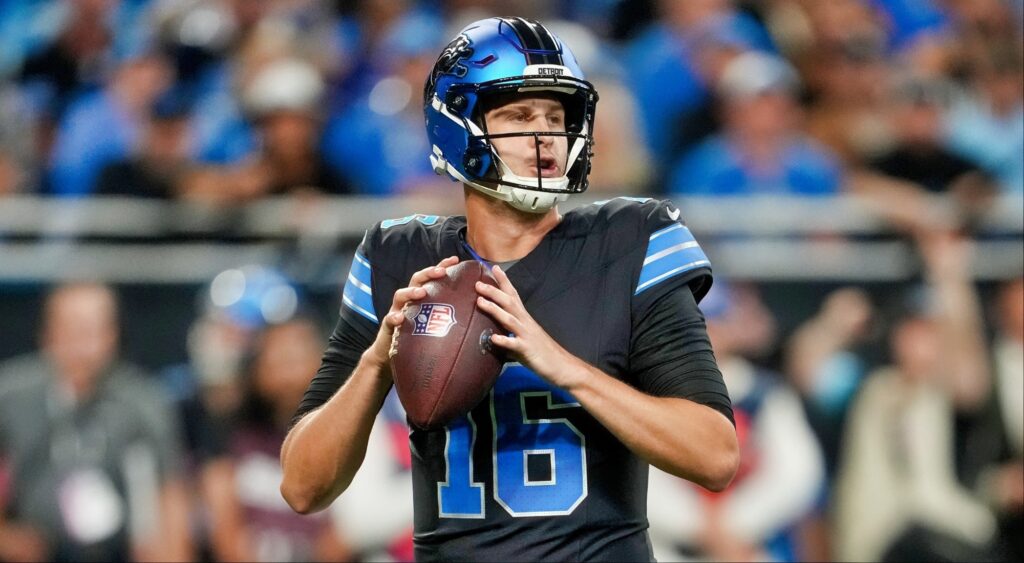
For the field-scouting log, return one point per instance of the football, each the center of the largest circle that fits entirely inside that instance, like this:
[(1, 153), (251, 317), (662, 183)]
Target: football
[(442, 358)]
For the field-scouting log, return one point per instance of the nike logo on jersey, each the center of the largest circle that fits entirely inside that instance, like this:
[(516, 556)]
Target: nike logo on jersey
[(673, 214)]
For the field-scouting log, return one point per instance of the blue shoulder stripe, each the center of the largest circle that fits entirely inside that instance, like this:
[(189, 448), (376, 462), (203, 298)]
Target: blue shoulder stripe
[(670, 252), (358, 293)]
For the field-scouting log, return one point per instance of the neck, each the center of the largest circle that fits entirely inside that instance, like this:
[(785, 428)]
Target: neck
[(500, 233)]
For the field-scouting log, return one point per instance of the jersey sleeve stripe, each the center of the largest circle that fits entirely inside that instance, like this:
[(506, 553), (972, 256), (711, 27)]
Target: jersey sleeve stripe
[(362, 287), (670, 252), (360, 269), (359, 309), (670, 236), (358, 293), (645, 285)]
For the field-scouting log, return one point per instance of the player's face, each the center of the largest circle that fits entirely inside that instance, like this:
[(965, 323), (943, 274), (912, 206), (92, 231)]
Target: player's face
[(530, 114)]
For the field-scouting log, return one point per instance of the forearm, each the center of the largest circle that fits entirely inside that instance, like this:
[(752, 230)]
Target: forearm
[(322, 453), (964, 344), (681, 437)]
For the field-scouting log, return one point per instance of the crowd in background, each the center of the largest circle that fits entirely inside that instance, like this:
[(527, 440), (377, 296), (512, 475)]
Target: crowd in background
[(876, 428)]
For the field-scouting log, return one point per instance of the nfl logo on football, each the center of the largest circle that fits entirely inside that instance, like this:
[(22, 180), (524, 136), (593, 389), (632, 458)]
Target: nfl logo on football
[(434, 319)]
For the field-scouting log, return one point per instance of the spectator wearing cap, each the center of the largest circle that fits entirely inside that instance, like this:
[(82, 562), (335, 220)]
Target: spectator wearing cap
[(761, 150), (282, 101), (162, 156)]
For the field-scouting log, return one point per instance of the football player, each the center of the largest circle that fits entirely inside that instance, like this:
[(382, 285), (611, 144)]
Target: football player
[(612, 368)]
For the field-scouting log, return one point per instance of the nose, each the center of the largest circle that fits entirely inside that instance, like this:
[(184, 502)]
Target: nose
[(539, 138)]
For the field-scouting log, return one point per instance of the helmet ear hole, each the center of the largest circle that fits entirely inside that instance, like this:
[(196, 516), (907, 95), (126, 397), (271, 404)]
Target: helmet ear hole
[(476, 161), (456, 102)]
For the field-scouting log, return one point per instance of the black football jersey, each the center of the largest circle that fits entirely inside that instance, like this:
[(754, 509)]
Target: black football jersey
[(528, 474)]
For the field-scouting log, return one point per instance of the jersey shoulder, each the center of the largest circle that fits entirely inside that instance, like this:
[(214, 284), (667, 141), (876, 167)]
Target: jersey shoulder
[(633, 217), (653, 231), (391, 244)]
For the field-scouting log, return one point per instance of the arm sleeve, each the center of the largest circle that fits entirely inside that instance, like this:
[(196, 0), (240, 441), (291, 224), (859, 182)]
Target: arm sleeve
[(356, 329), (670, 353)]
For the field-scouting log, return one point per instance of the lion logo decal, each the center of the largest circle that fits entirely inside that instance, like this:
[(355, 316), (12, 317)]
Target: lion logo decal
[(450, 62)]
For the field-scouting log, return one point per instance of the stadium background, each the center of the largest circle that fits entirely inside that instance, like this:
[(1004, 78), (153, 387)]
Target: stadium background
[(846, 164)]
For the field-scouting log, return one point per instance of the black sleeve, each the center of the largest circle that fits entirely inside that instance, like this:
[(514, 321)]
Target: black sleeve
[(346, 345), (356, 329), (671, 356)]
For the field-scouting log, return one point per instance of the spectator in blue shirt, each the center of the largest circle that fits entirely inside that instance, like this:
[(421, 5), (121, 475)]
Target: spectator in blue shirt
[(102, 127), (761, 150), (377, 141), (663, 64)]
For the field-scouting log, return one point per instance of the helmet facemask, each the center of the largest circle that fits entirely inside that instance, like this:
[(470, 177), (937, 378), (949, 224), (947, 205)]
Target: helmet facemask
[(485, 170), (508, 57)]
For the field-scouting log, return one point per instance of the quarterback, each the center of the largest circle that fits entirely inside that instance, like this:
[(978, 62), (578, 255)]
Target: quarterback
[(610, 365)]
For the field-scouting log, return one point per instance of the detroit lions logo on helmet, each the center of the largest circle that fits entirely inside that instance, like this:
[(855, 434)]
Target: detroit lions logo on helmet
[(450, 62)]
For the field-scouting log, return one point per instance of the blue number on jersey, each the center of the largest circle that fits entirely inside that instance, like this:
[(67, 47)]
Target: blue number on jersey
[(560, 446), (425, 219)]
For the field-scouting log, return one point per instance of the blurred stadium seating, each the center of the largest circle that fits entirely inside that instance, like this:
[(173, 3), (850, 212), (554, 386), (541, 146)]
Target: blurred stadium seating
[(821, 152)]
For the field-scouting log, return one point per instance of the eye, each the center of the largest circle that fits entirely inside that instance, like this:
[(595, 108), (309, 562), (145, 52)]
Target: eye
[(518, 117)]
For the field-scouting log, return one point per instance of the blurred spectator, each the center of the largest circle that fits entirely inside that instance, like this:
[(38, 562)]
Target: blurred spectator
[(898, 496), (208, 389), (848, 78), (663, 68), (993, 438), (102, 127), (622, 163), (823, 364), (781, 470), (384, 479), (91, 446), (379, 140), (919, 155), (282, 100), (987, 125), (161, 157), (249, 520), (18, 163), (761, 150), (78, 58)]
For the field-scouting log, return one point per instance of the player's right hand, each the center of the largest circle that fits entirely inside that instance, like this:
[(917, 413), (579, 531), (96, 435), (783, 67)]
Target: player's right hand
[(378, 352)]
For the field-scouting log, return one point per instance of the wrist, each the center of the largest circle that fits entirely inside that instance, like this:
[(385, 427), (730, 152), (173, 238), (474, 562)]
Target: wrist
[(374, 365), (573, 373)]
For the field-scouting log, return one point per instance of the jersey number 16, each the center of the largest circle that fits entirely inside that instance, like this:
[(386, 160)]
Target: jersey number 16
[(516, 442)]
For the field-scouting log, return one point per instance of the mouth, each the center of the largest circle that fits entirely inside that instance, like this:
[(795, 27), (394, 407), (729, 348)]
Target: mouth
[(548, 168)]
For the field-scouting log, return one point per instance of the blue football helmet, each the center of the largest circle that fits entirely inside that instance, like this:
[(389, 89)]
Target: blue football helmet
[(506, 56)]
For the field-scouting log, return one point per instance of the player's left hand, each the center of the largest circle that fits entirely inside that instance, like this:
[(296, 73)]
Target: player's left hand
[(529, 343)]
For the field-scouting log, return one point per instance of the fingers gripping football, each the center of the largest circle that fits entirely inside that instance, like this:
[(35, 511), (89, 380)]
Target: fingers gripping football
[(413, 292), (415, 289), (528, 341)]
